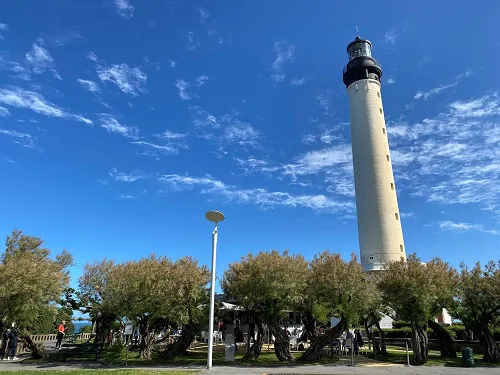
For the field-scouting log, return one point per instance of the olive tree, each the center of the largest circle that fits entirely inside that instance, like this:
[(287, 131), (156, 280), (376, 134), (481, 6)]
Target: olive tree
[(341, 287), (31, 281), (266, 284), (415, 290), (479, 304)]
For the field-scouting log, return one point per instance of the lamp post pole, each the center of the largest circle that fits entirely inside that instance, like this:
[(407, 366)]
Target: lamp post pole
[(216, 217), (212, 300)]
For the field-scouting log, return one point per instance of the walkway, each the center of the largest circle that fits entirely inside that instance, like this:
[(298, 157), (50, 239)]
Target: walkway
[(365, 367)]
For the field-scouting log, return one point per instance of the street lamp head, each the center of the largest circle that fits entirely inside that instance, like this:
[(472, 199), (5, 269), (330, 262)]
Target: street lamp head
[(214, 216)]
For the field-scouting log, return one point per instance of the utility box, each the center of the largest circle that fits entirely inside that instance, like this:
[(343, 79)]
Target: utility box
[(230, 348), (468, 357)]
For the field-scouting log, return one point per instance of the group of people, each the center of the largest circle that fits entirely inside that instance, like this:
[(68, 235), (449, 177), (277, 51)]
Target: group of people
[(8, 348)]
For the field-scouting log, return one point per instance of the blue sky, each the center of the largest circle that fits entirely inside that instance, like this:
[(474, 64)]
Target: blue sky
[(123, 121)]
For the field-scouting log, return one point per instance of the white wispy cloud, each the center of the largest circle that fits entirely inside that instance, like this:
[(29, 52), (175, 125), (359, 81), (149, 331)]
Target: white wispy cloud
[(437, 90), (125, 177), (15, 69), (391, 36), (91, 86), (327, 136), (20, 98), (285, 54), (112, 125), (203, 14), (129, 80), (4, 112), (92, 56), (452, 158), (3, 27), (324, 100), (466, 227), (391, 81), (193, 44), (126, 196), (202, 118), (298, 81), (252, 164), (432, 92), (172, 63), (124, 8), (169, 135), (156, 150), (407, 215), (318, 160), (41, 61), (241, 133), (22, 139), (263, 198), (183, 86)]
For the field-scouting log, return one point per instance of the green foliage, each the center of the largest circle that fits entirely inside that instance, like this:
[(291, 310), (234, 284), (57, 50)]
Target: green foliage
[(400, 324), (416, 290), (267, 283), (30, 280), (341, 287)]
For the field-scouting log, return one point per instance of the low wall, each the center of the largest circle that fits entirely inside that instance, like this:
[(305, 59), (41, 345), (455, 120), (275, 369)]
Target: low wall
[(39, 339), (434, 344)]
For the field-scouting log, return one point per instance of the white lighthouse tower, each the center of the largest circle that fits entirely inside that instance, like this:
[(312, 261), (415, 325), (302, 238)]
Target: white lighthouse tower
[(379, 222)]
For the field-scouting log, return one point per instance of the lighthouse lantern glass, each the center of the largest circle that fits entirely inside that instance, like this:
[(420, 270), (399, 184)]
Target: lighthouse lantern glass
[(362, 48)]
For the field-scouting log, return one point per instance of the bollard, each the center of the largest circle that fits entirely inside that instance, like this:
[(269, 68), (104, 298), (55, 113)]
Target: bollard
[(407, 355)]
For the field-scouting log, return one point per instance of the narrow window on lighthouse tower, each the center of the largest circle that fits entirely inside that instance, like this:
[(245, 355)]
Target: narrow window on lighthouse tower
[(397, 216), (383, 130), (392, 186), (387, 156), (380, 110), (378, 94), (401, 247)]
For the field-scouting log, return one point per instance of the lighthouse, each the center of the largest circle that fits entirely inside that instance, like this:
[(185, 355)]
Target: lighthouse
[(379, 221)]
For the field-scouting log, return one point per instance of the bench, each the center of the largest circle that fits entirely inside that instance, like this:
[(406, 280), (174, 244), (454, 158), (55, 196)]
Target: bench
[(75, 351)]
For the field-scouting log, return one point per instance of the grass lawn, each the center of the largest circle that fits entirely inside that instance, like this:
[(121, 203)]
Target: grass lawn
[(100, 372), (398, 355), (198, 357)]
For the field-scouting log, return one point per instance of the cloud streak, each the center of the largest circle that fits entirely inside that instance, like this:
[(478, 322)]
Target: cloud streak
[(19, 98), (263, 198), (183, 86), (466, 227), (131, 81), (124, 8)]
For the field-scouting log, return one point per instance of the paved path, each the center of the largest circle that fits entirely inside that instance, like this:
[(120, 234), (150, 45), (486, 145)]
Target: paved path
[(341, 368)]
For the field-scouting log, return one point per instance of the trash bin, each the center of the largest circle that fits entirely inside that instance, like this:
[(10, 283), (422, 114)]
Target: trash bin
[(468, 357), (229, 347)]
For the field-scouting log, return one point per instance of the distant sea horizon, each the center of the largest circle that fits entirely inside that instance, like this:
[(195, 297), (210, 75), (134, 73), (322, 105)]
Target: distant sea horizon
[(79, 324)]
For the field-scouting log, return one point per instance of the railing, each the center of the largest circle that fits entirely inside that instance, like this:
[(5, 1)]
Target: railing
[(350, 63), (39, 339)]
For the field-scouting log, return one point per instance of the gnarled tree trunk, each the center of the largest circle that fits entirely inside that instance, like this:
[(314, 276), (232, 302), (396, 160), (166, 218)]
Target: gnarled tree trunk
[(281, 343), (103, 324), (253, 351), (147, 343), (313, 353), (309, 328), (37, 350), (382, 348), (445, 340), (491, 351), (419, 344), (183, 342)]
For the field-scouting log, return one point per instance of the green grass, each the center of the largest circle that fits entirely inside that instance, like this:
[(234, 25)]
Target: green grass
[(398, 355), (100, 372), (117, 355)]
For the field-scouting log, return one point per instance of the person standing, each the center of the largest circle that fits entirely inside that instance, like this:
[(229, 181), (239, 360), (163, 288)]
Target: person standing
[(60, 334), (5, 340), (12, 346)]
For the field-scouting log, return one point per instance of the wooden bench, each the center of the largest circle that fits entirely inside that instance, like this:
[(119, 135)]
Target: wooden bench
[(74, 351)]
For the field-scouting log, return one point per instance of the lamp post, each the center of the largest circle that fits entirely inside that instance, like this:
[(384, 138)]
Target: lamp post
[(215, 217)]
